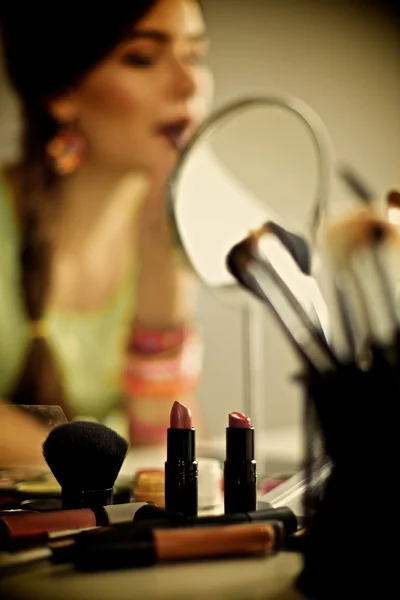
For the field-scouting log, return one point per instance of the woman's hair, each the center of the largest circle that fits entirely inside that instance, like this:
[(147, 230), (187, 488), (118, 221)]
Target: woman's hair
[(46, 54)]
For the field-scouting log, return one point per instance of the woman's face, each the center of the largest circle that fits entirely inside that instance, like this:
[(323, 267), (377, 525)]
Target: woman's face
[(152, 92)]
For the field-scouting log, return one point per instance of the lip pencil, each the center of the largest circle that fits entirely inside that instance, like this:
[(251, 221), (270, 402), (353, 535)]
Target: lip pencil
[(181, 473), (240, 472)]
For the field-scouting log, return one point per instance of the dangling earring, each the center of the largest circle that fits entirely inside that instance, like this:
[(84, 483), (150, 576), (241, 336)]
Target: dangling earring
[(66, 151)]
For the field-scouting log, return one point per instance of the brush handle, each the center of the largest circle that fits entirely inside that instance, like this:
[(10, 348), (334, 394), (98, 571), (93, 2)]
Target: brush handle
[(72, 499)]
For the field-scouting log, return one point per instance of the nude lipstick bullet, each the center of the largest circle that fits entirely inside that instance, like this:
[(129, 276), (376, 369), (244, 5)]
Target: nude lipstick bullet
[(181, 473), (240, 472)]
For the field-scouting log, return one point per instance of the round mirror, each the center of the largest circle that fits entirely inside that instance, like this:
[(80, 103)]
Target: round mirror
[(258, 159)]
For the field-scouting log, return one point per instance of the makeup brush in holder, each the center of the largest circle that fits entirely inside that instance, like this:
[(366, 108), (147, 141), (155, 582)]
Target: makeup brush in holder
[(351, 414), (351, 382), (85, 458)]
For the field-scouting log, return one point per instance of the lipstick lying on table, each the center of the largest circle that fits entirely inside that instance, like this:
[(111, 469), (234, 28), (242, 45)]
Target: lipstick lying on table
[(240, 472), (23, 529), (181, 472)]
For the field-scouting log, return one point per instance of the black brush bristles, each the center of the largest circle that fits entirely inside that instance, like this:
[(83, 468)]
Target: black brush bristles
[(85, 458), (295, 244), (238, 259)]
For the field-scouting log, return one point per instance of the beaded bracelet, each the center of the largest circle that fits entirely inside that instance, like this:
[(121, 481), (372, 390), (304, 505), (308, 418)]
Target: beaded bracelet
[(149, 340)]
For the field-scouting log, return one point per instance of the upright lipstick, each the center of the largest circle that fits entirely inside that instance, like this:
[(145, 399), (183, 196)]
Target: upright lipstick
[(181, 465), (240, 473)]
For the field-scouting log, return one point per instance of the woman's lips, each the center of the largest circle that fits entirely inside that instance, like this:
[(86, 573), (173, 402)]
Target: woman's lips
[(178, 133)]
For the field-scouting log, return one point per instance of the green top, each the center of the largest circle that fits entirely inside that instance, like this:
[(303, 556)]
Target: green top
[(89, 346)]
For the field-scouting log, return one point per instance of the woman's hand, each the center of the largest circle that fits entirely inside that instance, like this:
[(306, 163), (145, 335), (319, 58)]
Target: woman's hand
[(21, 438)]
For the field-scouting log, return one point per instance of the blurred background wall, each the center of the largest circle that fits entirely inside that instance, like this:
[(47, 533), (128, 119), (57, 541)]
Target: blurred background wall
[(343, 58)]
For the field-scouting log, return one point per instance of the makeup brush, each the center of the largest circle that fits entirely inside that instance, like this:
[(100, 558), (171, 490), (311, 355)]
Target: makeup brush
[(362, 251), (393, 198), (295, 244), (393, 207), (85, 458), (355, 183), (290, 255), (346, 233), (108, 549), (278, 287), (105, 550)]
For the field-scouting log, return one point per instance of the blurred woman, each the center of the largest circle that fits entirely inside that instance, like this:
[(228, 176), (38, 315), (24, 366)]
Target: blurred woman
[(96, 313)]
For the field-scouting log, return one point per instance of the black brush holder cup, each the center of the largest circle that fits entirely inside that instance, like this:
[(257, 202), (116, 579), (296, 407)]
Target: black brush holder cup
[(352, 520)]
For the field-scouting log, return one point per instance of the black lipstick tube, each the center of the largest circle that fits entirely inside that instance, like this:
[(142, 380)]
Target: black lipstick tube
[(240, 471), (181, 474)]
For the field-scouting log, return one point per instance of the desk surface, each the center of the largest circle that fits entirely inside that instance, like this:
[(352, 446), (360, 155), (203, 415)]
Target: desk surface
[(268, 578)]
